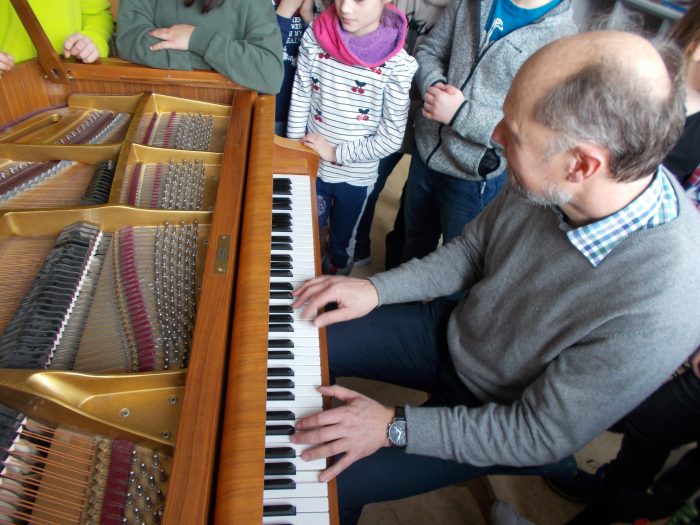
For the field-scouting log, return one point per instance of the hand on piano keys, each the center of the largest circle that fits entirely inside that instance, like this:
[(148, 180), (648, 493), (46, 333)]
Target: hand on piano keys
[(354, 297), (357, 429)]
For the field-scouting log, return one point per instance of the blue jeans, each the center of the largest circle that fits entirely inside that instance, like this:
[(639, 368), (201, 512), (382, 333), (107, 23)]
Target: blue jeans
[(406, 345), (362, 240), (340, 205), (439, 204)]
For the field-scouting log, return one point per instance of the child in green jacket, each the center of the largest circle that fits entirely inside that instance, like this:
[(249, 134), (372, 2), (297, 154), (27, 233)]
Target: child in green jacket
[(237, 38), (79, 28)]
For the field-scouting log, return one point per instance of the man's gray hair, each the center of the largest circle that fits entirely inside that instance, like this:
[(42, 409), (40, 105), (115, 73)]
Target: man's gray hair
[(610, 106)]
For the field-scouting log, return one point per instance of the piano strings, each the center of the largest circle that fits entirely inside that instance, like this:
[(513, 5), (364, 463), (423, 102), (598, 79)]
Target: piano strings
[(54, 184), (183, 131), (175, 186), (106, 301), (52, 475)]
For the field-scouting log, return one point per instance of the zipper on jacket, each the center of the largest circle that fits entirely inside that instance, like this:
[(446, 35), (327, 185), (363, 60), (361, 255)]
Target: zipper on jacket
[(479, 55)]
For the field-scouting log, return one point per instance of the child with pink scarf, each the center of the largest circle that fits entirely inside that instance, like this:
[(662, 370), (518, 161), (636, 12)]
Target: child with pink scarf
[(350, 103)]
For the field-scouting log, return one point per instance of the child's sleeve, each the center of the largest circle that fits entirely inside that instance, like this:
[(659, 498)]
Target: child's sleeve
[(392, 126), (433, 53), (136, 18), (97, 23), (300, 104), (255, 60)]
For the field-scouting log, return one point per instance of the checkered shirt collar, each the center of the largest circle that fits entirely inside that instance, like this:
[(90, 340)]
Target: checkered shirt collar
[(656, 205)]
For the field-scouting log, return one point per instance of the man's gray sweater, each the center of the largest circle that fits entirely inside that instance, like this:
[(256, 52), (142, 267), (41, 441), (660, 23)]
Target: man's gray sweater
[(450, 53), (557, 349)]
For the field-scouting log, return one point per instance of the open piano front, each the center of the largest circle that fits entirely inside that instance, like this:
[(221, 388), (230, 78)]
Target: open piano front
[(138, 270)]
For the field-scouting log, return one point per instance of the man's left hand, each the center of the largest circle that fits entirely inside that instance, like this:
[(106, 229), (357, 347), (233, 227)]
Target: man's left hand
[(356, 430), (173, 37), (441, 102), (320, 145), (81, 47)]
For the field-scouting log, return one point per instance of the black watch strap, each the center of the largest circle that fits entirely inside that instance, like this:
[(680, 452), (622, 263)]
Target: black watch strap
[(399, 413)]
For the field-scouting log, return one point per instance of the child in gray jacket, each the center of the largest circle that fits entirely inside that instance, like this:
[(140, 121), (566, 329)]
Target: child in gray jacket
[(466, 65)]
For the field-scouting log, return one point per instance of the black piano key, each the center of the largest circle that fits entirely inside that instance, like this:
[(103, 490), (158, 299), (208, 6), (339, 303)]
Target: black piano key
[(281, 318), (281, 257), (279, 453), (279, 510), (281, 295), (281, 228), (285, 468), (281, 273), (281, 286), (281, 246), (280, 354), (280, 343), (279, 415), (280, 395), (281, 309), (282, 216), (279, 484), (281, 328), (280, 383), (282, 371), (279, 430), (281, 238), (281, 203), (281, 265)]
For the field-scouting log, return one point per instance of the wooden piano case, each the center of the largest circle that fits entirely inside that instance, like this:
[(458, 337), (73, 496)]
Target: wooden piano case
[(35, 112), (217, 468)]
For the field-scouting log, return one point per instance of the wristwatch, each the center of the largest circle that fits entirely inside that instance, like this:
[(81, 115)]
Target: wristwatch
[(396, 433)]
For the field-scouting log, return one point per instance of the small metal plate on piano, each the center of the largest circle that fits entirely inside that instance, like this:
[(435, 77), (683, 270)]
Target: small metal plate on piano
[(223, 246)]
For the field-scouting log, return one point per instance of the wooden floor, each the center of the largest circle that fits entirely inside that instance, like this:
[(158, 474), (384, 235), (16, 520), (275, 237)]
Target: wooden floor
[(455, 505)]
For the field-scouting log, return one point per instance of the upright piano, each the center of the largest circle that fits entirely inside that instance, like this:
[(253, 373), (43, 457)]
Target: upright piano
[(152, 228)]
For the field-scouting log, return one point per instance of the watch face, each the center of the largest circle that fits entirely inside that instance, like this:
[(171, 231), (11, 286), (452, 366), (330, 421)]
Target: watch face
[(397, 433)]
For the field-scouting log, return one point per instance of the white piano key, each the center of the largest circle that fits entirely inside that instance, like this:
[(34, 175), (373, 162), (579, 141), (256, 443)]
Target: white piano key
[(302, 339), (299, 391), (298, 360), (313, 380), (307, 518), (298, 413), (305, 476), (299, 402), (302, 490), (303, 370)]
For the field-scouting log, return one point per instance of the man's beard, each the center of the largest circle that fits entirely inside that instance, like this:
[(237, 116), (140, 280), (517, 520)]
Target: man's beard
[(552, 197)]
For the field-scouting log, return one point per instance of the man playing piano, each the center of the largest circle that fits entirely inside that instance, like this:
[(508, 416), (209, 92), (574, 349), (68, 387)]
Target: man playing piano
[(573, 282)]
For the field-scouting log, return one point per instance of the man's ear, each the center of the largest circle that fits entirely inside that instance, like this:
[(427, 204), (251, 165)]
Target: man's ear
[(586, 160)]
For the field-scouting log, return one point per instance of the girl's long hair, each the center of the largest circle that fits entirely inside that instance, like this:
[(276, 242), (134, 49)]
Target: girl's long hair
[(207, 5), (686, 32)]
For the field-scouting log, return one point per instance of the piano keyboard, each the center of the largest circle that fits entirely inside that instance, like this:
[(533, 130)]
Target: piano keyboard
[(293, 495)]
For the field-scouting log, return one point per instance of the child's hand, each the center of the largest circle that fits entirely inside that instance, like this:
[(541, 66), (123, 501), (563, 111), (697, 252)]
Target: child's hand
[(81, 47), (173, 37), (695, 362), (7, 62), (441, 102), (320, 145), (307, 11), (287, 8)]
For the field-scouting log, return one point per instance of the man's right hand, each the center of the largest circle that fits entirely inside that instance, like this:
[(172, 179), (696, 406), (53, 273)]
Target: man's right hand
[(355, 298), (6, 61)]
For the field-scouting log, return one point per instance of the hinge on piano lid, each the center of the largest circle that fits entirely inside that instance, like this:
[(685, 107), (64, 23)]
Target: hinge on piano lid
[(139, 407), (223, 246)]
